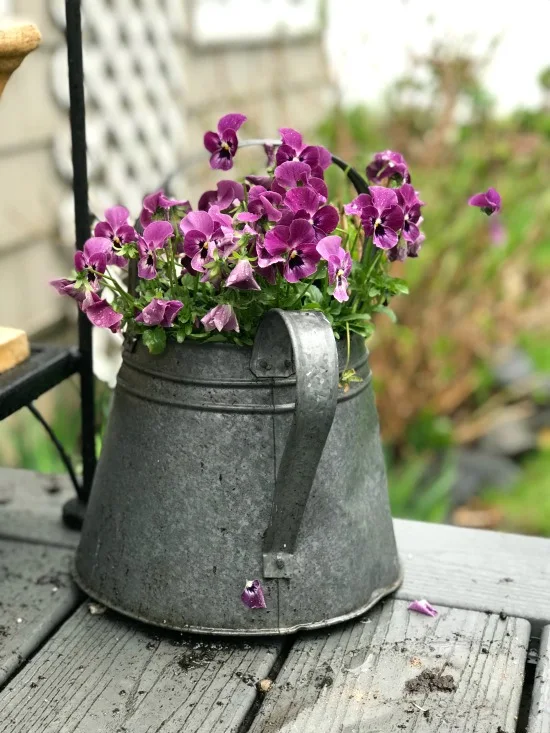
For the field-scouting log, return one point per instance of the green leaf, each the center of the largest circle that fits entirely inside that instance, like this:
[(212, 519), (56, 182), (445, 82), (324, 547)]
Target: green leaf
[(388, 311), (155, 340), (314, 294), (400, 286), (356, 317)]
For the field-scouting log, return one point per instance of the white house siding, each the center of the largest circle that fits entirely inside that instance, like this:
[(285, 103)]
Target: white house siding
[(277, 77)]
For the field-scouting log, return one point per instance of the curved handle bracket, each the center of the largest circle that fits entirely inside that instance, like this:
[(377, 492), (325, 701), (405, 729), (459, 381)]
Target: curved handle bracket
[(300, 342)]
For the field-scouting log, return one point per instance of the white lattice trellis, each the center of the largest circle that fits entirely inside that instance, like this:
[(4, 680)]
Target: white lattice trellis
[(134, 91)]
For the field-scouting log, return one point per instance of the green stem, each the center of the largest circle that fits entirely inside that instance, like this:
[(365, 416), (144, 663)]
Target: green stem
[(299, 298), (113, 285), (374, 263)]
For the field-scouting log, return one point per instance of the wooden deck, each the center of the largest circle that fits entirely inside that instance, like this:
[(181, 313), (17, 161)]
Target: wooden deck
[(477, 667)]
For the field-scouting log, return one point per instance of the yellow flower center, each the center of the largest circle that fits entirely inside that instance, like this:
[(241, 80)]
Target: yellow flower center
[(339, 273), (378, 222), (225, 146), (293, 254)]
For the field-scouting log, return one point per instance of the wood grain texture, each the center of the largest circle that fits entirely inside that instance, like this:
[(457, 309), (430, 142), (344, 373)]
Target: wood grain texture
[(105, 674), (354, 679), (31, 505), (476, 569), (36, 594), (539, 717)]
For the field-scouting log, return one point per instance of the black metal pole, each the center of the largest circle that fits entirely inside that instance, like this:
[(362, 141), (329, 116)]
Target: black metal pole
[(82, 230)]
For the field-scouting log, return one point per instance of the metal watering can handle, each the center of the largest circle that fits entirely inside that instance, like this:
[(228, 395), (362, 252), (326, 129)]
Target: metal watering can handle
[(300, 342)]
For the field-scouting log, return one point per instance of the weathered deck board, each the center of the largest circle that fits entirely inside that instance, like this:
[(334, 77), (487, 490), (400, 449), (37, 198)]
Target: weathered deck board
[(354, 680), (106, 674), (539, 717), (28, 576), (30, 507), (476, 569)]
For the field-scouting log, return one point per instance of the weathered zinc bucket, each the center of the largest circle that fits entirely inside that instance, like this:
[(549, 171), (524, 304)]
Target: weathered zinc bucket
[(223, 464)]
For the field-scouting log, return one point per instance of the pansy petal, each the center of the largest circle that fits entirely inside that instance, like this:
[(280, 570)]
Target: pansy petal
[(302, 198), (231, 121), (320, 186), (242, 277), (253, 595), (329, 247), (221, 162), (326, 219), (384, 238), (276, 240), (211, 141), (422, 606), (157, 232), (355, 207), (117, 216), (301, 232), (325, 158), (198, 221), (96, 245), (383, 198), (292, 138), (393, 218)]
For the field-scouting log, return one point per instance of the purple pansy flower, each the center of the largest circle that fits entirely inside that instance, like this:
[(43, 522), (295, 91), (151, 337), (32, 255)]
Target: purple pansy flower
[(160, 312), (293, 149), (383, 219), (410, 203), (204, 232), (423, 607), (294, 175), (242, 277), (228, 195), (69, 288), (304, 203), (223, 144), (388, 165), (265, 181), (116, 228), (262, 203), (355, 207), (159, 203), (339, 265), (413, 248), (93, 258), (489, 202), (294, 246), (270, 151), (222, 317), (100, 313), (154, 238), (253, 595)]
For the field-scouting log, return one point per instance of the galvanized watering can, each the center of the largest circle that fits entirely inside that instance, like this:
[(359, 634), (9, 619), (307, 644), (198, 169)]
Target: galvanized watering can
[(223, 464)]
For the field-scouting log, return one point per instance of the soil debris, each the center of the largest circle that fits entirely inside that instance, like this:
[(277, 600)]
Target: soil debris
[(59, 580), (325, 678), (248, 679), (430, 680), (199, 656)]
